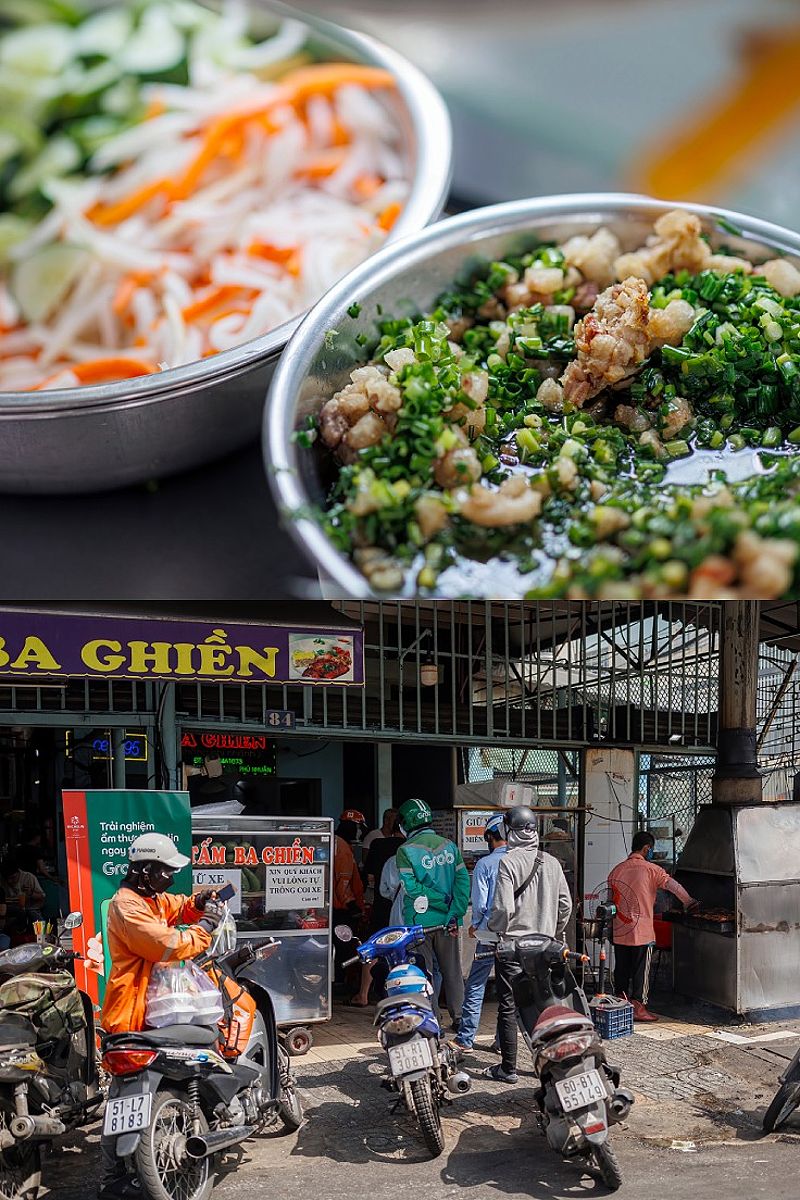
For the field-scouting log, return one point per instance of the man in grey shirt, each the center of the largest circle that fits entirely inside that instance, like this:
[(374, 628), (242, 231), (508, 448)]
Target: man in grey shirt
[(531, 896)]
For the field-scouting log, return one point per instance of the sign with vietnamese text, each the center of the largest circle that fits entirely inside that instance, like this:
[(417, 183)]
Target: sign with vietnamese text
[(290, 887), (218, 877), (472, 828), (41, 645), (99, 826)]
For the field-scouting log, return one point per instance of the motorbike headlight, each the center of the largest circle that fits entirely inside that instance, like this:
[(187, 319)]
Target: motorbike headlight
[(403, 1022), (568, 1047)]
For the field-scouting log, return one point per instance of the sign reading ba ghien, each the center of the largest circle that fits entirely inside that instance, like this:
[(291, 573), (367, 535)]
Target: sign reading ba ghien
[(41, 645)]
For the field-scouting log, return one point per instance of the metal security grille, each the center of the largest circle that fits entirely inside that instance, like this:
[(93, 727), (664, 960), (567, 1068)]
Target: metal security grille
[(76, 699), (562, 672), (554, 774), (674, 786)]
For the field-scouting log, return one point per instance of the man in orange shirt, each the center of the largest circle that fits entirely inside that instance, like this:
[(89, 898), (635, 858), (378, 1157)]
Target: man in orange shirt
[(634, 884), (143, 929)]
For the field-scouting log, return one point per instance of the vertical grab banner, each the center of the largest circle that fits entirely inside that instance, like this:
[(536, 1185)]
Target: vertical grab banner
[(99, 826)]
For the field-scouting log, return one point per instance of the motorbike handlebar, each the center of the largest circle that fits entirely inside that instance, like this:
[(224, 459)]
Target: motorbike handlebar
[(575, 957), (350, 962)]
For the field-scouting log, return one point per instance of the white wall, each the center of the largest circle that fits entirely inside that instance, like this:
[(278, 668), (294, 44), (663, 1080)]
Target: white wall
[(610, 777)]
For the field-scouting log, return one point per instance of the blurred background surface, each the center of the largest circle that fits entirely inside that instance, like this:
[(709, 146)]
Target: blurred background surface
[(683, 99)]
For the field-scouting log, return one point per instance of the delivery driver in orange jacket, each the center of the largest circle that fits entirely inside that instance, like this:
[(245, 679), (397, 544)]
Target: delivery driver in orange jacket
[(142, 928), (141, 931)]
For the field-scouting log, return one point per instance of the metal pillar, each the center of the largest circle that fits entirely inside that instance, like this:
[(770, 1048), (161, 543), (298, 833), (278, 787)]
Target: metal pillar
[(118, 757), (737, 779), (383, 772), (169, 736)]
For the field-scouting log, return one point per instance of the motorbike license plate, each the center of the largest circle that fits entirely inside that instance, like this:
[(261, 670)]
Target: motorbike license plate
[(410, 1056), (581, 1091), (127, 1114)]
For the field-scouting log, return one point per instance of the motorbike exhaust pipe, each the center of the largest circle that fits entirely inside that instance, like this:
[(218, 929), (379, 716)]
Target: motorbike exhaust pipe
[(621, 1104), (201, 1145), (459, 1083), (24, 1128)]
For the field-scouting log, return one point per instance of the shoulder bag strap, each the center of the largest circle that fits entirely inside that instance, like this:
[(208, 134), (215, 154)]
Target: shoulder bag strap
[(524, 887)]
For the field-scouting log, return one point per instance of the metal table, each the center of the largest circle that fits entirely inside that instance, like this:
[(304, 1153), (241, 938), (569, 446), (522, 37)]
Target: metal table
[(210, 534)]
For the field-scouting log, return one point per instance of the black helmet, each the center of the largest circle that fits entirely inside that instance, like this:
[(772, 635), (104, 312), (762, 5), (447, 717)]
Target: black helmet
[(522, 818)]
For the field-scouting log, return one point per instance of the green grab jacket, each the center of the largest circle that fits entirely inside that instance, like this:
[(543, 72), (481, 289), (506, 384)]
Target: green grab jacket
[(430, 865)]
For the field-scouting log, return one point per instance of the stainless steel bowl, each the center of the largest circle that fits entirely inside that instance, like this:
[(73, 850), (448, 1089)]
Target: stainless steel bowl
[(90, 439), (406, 278)]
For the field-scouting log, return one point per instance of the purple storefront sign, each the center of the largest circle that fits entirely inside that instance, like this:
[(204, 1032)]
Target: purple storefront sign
[(40, 645)]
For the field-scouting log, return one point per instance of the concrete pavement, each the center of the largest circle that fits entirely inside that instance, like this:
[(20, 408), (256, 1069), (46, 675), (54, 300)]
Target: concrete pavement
[(693, 1134)]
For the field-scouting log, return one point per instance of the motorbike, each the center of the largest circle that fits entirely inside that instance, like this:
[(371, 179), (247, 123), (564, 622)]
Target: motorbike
[(579, 1095), (48, 1068), (423, 1068), (183, 1095), (786, 1099)]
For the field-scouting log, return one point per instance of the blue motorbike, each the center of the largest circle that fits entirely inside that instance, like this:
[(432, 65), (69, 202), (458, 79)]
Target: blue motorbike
[(422, 1066)]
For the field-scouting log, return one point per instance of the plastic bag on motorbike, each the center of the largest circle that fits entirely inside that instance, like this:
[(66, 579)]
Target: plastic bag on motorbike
[(181, 994), (224, 939)]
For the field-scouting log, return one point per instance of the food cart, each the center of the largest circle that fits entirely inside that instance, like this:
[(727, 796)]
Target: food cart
[(280, 870)]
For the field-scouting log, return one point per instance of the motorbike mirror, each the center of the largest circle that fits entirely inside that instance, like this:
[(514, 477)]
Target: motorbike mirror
[(73, 920), (344, 933)]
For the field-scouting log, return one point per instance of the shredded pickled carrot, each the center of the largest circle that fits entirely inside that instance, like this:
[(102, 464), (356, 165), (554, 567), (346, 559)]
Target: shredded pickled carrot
[(367, 185), (112, 214), (156, 108), (276, 254), (210, 302), (295, 89), (387, 218), (102, 370), (324, 164), (106, 370)]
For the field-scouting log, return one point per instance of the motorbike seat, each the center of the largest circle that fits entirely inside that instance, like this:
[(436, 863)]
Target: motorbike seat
[(558, 1018), (418, 999), (170, 1035)]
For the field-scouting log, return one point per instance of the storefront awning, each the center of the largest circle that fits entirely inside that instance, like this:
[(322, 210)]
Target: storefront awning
[(307, 644)]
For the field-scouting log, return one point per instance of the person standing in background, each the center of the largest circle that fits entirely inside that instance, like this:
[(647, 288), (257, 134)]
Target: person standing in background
[(634, 885), (436, 886), (484, 878), (383, 849), (348, 888), (530, 896), (387, 830)]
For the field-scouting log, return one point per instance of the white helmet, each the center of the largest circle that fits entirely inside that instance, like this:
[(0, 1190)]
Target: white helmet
[(158, 848)]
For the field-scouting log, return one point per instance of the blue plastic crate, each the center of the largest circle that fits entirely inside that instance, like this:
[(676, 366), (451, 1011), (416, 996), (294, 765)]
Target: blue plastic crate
[(612, 1018)]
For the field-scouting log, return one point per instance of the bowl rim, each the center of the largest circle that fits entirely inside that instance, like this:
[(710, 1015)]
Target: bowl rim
[(284, 481), (430, 183)]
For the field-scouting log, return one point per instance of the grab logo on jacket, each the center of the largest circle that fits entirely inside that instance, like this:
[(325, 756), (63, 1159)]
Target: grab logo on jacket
[(445, 858)]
